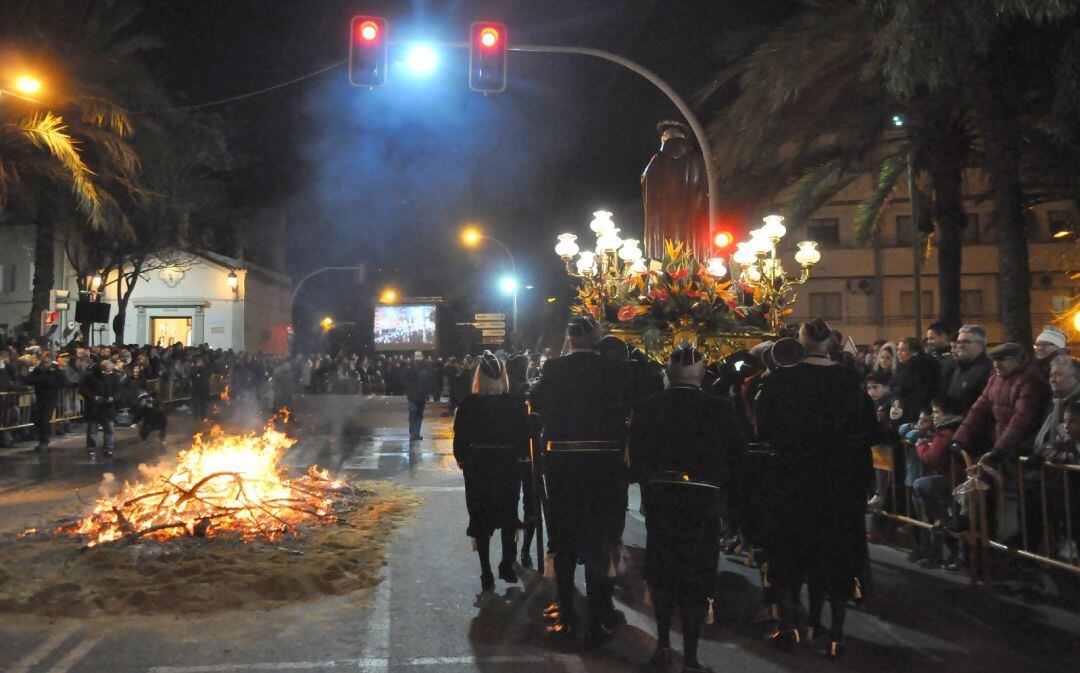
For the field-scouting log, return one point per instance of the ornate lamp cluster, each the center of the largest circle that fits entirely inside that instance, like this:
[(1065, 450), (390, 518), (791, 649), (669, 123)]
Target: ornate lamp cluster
[(762, 273), (613, 260)]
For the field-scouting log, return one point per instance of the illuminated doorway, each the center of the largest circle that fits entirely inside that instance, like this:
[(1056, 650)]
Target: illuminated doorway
[(167, 331)]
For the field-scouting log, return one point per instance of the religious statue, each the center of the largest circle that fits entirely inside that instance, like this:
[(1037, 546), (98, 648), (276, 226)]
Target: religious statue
[(675, 192)]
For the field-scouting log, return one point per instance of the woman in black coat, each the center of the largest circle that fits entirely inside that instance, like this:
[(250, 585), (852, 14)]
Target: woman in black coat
[(491, 434), (819, 421)]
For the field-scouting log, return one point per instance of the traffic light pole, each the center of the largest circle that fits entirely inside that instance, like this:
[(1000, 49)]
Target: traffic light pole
[(684, 108)]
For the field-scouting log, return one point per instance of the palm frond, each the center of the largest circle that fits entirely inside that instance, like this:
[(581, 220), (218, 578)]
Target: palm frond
[(818, 187), (868, 213), (104, 114), (48, 131)]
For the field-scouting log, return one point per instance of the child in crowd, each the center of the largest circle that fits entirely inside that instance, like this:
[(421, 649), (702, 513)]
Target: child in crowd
[(932, 493), (878, 387)]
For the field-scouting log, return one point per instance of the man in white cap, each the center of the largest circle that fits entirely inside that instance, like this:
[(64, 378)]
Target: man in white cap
[(1048, 345)]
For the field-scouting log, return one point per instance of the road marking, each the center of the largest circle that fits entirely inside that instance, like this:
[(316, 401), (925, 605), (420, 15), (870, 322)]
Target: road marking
[(17, 485), (569, 662), (361, 463), (43, 650), (76, 654), (438, 489)]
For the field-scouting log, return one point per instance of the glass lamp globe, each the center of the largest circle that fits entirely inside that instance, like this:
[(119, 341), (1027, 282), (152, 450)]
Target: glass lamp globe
[(752, 273), (744, 254), (586, 263), (808, 254), (630, 252), (609, 241), (715, 267), (638, 266), (567, 246), (760, 243), (773, 228), (772, 268), (601, 223)]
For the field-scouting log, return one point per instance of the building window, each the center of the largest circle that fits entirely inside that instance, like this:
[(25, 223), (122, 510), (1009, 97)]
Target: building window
[(971, 303), (907, 304), (825, 230), (903, 230), (7, 278), (971, 231), (825, 305), (1057, 220)]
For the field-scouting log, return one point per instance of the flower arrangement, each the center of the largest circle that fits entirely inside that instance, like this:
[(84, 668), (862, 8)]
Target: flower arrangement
[(681, 291)]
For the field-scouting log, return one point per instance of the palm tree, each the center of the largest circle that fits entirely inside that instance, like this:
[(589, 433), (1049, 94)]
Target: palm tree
[(811, 102), (89, 46)]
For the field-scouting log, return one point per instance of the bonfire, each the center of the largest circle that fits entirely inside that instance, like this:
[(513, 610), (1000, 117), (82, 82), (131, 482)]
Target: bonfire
[(224, 485)]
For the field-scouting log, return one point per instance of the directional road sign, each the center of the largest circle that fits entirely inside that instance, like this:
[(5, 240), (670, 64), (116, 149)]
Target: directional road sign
[(493, 332), (482, 317)]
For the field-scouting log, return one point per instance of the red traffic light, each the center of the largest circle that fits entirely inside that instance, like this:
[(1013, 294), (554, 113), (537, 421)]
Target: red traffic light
[(367, 51), (52, 317), (489, 36), (487, 57), (369, 31), (723, 239)]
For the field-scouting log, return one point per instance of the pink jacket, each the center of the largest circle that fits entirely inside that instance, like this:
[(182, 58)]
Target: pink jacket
[(1014, 405)]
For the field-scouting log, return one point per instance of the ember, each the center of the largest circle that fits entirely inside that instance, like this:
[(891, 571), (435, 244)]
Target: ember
[(223, 485)]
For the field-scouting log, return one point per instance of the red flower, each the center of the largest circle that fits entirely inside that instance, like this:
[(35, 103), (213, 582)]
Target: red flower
[(679, 274), (627, 313), (659, 295)]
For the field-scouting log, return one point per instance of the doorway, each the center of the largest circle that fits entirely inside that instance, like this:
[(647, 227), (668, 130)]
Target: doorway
[(165, 332)]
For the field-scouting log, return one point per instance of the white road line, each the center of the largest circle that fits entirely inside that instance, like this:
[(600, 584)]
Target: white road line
[(17, 485), (438, 489), (470, 659), (378, 628), (571, 663), (365, 664), (43, 650), (362, 463), (76, 654)]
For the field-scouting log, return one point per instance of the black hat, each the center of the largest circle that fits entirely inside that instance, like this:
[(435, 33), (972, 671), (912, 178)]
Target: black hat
[(582, 326), (818, 330), (1007, 350), (685, 356), (490, 365), (787, 352), (613, 347)]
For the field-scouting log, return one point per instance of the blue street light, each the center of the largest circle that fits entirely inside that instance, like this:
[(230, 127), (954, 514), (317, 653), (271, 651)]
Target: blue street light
[(422, 59), (508, 284)]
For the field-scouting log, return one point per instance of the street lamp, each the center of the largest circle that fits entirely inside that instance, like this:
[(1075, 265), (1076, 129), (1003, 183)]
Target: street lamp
[(327, 323), (509, 285), (389, 296), (27, 85), (234, 282), (422, 59), (94, 283)]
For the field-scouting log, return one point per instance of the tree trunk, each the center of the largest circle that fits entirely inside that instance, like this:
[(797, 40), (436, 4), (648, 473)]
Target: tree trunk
[(1012, 254), (951, 220), (44, 260)]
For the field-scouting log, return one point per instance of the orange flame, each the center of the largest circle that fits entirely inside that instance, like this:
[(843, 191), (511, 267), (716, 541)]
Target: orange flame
[(223, 485)]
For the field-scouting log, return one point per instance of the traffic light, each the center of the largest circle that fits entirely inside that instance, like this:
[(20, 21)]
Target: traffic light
[(368, 41), (59, 300), (50, 320), (487, 57), (723, 240)]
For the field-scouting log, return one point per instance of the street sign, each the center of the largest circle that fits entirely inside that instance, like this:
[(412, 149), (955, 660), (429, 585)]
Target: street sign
[(490, 325), (492, 340), (481, 317), (493, 332)]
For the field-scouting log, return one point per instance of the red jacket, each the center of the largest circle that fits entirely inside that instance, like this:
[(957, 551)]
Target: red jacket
[(934, 453), (1014, 405)]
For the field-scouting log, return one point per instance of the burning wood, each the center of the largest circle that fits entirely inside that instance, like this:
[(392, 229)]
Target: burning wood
[(224, 485)]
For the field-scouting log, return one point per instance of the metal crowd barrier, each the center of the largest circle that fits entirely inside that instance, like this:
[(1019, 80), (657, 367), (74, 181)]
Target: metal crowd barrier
[(16, 406)]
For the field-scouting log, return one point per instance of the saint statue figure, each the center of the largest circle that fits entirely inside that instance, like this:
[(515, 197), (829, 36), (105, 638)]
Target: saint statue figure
[(675, 192)]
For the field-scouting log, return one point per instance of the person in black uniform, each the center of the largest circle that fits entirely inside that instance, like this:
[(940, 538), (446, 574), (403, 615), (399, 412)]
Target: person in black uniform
[(47, 381), (149, 415), (517, 371), (820, 423), (686, 450), (581, 402), (491, 435)]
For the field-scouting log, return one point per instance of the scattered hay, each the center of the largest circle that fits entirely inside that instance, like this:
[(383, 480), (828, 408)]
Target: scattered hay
[(53, 575)]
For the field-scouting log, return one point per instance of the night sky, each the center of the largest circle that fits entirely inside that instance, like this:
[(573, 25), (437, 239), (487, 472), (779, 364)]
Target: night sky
[(388, 176)]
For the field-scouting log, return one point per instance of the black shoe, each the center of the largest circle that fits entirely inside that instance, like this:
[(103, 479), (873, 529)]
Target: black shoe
[(598, 634), (662, 658), (561, 629), (506, 572), (107, 453), (696, 667), (552, 611), (916, 556), (784, 640), (526, 561), (615, 617), (930, 563), (487, 582)]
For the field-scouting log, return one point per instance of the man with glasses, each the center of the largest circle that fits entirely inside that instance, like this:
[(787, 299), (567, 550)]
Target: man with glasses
[(973, 367)]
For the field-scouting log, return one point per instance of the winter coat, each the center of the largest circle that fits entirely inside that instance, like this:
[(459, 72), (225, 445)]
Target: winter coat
[(98, 388), (915, 383), (418, 382), (935, 452), (1015, 405), (47, 384), (968, 380)]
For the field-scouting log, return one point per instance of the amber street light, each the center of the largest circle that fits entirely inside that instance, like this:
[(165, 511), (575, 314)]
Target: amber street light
[(471, 236), (327, 322), (28, 85), (388, 296)]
